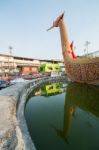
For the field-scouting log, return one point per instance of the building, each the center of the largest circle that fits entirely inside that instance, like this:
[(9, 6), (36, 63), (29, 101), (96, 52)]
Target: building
[(10, 64), (50, 67)]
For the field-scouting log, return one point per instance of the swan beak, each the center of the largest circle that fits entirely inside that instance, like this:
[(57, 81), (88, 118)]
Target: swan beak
[(50, 28)]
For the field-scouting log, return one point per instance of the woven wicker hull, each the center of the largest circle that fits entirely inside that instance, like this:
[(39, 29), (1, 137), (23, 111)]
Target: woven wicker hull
[(83, 70)]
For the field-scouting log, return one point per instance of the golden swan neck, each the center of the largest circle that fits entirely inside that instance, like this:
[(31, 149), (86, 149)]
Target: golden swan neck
[(67, 50), (64, 37)]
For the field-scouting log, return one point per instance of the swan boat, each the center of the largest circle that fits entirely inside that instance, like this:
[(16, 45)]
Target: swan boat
[(78, 69)]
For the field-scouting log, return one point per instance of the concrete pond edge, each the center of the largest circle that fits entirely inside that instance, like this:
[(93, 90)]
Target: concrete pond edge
[(13, 128)]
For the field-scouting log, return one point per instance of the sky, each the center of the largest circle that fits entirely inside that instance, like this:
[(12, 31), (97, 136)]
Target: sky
[(23, 25)]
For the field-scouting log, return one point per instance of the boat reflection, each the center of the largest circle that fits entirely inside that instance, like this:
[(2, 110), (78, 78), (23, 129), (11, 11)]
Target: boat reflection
[(85, 97)]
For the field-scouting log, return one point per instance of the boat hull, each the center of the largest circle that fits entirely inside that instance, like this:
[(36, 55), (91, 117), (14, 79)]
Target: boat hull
[(83, 72)]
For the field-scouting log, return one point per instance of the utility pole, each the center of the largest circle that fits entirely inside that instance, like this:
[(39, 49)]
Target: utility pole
[(87, 43), (10, 50)]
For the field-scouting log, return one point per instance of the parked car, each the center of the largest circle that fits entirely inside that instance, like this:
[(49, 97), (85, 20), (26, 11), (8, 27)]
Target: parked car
[(4, 84)]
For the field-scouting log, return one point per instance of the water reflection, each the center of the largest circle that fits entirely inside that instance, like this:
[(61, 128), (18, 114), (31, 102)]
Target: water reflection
[(68, 120), (50, 89), (83, 96), (86, 97)]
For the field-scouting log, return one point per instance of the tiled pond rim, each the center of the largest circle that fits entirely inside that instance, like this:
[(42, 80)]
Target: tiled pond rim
[(13, 129)]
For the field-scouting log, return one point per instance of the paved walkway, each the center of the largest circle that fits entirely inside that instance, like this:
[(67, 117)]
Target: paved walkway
[(9, 131)]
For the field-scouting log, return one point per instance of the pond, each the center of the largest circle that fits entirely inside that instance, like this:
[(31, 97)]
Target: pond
[(63, 116)]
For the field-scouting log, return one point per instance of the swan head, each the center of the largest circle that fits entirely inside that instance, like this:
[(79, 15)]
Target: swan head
[(57, 21)]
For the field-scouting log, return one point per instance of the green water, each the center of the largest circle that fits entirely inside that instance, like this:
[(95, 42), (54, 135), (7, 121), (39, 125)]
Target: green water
[(64, 118)]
